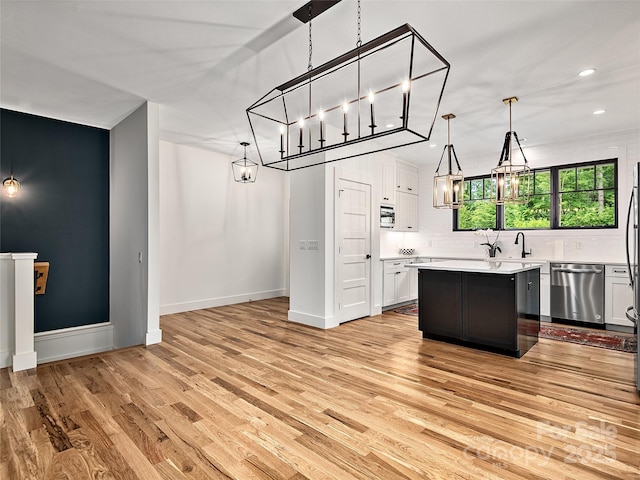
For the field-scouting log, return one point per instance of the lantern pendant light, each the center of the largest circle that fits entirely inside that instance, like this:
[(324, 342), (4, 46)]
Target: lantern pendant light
[(448, 189), (11, 186), (510, 180), (244, 170)]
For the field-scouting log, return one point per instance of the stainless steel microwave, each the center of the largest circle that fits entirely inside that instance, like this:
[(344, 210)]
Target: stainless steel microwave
[(387, 216)]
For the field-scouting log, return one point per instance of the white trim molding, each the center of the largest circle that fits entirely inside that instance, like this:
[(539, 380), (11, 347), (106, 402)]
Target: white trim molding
[(73, 342), (219, 301), (312, 320)]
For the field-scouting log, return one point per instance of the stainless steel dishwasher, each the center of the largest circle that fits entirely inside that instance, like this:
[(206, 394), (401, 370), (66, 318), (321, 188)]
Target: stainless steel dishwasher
[(577, 292)]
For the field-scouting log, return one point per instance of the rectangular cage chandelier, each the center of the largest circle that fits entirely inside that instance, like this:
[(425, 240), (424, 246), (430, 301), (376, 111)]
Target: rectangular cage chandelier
[(381, 95)]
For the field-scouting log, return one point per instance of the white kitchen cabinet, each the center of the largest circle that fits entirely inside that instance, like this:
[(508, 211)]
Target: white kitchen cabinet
[(406, 212), (407, 178), (400, 283), (388, 194), (618, 295)]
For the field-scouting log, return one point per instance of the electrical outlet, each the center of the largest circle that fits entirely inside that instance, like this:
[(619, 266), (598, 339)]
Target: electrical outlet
[(303, 245), (578, 245), (313, 245)]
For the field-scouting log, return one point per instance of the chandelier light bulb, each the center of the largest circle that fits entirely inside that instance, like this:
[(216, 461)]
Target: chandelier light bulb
[(371, 96)]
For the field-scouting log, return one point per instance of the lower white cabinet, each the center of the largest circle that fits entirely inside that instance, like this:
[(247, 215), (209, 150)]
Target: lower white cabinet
[(400, 283), (618, 295)]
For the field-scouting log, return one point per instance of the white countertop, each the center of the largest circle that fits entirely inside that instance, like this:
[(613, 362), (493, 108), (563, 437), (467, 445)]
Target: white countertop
[(598, 260), (479, 266)]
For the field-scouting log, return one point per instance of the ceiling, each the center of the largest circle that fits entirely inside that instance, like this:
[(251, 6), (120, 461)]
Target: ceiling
[(205, 62)]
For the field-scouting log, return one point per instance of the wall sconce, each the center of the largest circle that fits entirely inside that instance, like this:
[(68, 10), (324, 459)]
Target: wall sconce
[(11, 186)]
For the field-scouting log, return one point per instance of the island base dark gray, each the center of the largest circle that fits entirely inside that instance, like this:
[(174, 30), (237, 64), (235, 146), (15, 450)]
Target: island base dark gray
[(499, 313)]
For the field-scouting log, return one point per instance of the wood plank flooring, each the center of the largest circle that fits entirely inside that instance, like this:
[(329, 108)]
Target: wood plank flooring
[(239, 392)]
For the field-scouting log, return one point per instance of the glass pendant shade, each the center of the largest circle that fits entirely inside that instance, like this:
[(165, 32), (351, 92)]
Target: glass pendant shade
[(11, 186), (510, 179), (244, 170), (448, 189), (381, 95)]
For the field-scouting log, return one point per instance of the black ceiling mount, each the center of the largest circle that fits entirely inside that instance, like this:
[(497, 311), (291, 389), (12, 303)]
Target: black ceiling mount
[(317, 7)]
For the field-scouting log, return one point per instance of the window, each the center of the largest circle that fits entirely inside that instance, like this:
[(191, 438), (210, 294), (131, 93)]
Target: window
[(583, 195), (477, 211)]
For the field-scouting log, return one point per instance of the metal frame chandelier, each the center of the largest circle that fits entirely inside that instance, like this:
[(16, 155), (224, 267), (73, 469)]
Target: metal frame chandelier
[(448, 189), (244, 170), (510, 179), (358, 103)]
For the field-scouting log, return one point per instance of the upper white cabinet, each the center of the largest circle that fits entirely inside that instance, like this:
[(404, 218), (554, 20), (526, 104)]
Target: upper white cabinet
[(388, 183), (406, 212), (407, 178), (406, 198), (618, 295)]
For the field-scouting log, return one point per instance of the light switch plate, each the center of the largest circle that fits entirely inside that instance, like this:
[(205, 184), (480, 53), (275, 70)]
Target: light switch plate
[(303, 245)]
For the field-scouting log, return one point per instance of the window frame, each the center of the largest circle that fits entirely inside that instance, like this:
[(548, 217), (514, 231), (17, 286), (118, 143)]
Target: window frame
[(554, 198)]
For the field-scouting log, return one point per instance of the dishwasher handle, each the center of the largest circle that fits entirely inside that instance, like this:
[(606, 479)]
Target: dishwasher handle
[(576, 270)]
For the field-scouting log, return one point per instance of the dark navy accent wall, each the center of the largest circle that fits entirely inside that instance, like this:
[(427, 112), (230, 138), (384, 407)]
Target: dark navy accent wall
[(61, 212)]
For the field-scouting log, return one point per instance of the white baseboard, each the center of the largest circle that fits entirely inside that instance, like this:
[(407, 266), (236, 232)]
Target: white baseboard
[(219, 302), (73, 342), (153, 337), (311, 320), (24, 361)]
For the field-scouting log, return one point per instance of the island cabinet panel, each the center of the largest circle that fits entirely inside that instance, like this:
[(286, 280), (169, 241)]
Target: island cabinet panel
[(439, 300), (489, 310), (495, 312)]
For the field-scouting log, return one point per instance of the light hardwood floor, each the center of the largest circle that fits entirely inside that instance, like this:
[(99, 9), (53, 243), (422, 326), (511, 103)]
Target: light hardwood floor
[(239, 392)]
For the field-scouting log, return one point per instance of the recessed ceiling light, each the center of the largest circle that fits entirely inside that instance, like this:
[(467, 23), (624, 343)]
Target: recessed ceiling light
[(587, 72), (433, 145), (524, 139), (599, 112), (389, 125)]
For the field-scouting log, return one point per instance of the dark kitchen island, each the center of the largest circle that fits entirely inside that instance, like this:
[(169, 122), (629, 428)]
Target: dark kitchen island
[(490, 305)]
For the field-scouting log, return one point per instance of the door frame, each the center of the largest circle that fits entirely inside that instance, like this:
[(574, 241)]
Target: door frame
[(357, 176)]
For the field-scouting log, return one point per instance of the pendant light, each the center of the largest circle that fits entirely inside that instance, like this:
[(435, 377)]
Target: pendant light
[(448, 189), (510, 180), (244, 170), (381, 95), (11, 186)]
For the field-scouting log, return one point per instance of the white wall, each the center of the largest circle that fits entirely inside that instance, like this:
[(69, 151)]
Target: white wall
[(312, 217), (134, 228), (437, 238), (221, 242)]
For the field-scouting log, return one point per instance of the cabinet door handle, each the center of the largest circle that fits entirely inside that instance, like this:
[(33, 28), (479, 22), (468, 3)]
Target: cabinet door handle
[(386, 198), (619, 271), (410, 189), (409, 227), (397, 263)]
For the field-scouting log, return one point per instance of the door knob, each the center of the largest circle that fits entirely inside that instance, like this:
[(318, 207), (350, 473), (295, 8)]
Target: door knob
[(368, 256)]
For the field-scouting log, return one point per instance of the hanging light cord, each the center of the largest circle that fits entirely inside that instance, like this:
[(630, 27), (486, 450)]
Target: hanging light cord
[(359, 42), (310, 65)]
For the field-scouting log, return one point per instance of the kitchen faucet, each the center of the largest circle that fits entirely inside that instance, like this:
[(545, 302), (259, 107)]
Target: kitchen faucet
[(524, 254)]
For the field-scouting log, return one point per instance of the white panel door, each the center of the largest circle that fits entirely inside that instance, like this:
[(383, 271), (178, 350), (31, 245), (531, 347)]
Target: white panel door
[(353, 232)]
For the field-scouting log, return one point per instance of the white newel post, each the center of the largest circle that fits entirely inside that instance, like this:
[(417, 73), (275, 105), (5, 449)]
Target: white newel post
[(24, 356)]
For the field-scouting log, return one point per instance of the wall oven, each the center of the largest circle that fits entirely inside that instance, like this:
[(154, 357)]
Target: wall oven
[(387, 217)]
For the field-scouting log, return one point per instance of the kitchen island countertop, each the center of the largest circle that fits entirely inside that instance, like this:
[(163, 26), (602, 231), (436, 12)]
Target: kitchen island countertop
[(479, 266)]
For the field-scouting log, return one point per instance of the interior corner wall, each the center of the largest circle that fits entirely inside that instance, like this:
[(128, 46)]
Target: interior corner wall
[(307, 272), (134, 227), (61, 213), (221, 242)]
